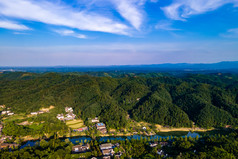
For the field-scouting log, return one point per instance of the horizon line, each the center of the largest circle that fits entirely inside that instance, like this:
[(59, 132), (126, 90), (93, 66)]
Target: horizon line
[(124, 64)]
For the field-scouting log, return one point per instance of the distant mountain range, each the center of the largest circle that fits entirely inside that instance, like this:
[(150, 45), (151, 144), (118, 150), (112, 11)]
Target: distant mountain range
[(226, 66)]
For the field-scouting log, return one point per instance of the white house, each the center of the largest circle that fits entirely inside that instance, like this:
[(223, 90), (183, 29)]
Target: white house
[(34, 113), (68, 109), (106, 146), (40, 112), (160, 152), (108, 152), (10, 113), (153, 144), (95, 120), (6, 112), (60, 116), (70, 116)]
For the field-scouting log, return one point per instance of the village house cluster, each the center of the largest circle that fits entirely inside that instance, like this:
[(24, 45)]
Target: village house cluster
[(4, 138), (107, 149), (80, 148), (99, 126), (36, 113), (6, 112), (108, 152), (69, 116), (41, 111)]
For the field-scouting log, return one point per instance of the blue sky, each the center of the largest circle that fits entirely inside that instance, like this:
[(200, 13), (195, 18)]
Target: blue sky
[(117, 32)]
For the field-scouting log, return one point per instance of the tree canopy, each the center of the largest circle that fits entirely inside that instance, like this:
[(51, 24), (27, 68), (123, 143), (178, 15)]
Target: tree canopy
[(208, 100)]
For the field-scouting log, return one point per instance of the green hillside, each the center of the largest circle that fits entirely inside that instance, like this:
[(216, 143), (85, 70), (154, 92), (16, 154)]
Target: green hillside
[(207, 100)]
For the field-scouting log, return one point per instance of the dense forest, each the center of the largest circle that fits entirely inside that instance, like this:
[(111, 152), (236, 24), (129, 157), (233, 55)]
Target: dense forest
[(208, 100)]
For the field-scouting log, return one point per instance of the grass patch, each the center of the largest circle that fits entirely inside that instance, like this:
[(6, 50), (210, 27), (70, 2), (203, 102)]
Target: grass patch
[(74, 124), (26, 75), (221, 131), (36, 126), (173, 133), (81, 155), (47, 109), (71, 122), (14, 117), (205, 133)]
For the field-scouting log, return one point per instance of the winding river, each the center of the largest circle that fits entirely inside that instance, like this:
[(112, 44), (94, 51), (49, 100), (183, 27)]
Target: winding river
[(76, 140)]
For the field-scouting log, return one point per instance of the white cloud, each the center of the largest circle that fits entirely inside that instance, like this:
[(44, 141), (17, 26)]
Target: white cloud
[(12, 25), (66, 32), (131, 10), (20, 33), (231, 33), (235, 30), (182, 9), (60, 14), (165, 25)]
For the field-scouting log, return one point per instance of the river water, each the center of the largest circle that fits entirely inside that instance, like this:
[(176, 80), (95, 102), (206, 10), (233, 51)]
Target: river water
[(81, 139)]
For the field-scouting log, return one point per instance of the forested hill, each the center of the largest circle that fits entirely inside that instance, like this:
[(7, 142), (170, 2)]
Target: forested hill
[(207, 100)]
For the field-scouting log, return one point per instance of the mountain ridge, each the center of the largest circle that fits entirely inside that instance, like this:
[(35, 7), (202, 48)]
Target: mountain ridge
[(224, 66)]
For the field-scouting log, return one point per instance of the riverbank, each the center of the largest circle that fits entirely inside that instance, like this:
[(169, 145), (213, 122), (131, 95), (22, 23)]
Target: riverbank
[(172, 132), (158, 136), (161, 128), (83, 139)]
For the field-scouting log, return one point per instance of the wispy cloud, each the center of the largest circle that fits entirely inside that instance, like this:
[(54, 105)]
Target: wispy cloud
[(67, 32), (131, 10), (165, 25), (61, 15), (231, 33), (182, 9), (20, 33), (12, 25)]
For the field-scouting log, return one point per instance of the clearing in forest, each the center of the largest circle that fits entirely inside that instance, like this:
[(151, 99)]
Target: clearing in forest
[(47, 109)]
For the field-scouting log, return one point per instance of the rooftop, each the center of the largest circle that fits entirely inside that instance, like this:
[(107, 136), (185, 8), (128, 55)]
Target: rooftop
[(100, 124), (106, 145)]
